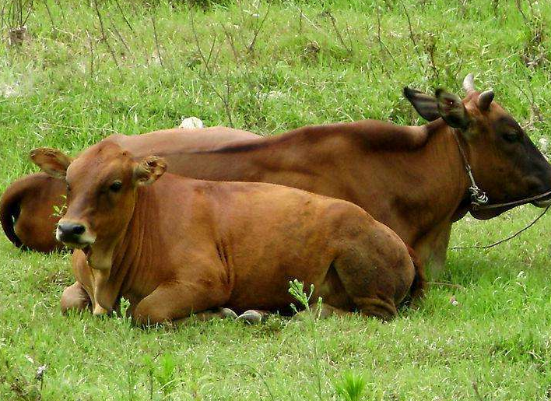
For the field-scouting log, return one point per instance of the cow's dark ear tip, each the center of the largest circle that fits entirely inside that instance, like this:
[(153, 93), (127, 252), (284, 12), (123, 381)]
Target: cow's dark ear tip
[(439, 92), (408, 92)]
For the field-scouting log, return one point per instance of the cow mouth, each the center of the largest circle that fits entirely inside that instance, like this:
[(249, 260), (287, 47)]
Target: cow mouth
[(542, 203), (77, 245)]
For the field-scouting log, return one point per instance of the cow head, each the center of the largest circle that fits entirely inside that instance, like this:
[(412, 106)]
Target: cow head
[(505, 163), (102, 187)]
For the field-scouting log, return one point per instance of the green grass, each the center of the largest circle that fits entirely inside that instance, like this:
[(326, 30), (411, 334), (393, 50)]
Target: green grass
[(63, 88)]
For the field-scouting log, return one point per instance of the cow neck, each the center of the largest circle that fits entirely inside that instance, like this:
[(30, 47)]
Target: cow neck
[(135, 244), (442, 189), (118, 260)]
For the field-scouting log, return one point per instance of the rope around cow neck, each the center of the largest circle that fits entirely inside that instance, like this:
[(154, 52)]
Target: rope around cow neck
[(478, 197), (501, 241)]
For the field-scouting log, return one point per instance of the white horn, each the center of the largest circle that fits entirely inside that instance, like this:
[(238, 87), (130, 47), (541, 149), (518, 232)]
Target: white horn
[(485, 99), (468, 83)]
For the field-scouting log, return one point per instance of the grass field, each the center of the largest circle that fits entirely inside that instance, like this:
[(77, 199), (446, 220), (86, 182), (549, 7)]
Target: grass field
[(88, 69)]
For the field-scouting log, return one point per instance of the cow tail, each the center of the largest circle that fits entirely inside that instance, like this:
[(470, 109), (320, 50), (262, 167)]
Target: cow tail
[(417, 289), (10, 208)]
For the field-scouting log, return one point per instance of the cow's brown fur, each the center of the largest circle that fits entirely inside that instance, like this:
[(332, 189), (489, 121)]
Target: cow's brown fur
[(27, 206), (177, 245)]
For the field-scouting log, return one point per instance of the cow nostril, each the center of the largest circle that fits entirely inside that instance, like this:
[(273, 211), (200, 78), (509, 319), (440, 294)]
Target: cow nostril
[(78, 229), (71, 229)]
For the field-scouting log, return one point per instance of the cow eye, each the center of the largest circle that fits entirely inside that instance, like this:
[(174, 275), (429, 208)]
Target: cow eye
[(68, 188), (115, 186), (511, 137)]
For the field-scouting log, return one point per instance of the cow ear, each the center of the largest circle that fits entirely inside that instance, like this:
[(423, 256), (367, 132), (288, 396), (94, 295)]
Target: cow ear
[(149, 170), (52, 161), (452, 110), (424, 104)]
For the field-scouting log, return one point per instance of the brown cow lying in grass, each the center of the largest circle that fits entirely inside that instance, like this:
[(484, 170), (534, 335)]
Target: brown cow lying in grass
[(174, 246), (27, 206)]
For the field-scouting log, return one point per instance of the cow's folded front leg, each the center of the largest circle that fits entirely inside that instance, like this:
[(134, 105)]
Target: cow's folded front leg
[(106, 293), (176, 301), (76, 298)]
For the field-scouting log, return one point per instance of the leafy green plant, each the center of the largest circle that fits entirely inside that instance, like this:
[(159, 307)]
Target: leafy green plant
[(163, 370), (296, 289), (351, 387), (166, 373), (59, 211), (149, 364)]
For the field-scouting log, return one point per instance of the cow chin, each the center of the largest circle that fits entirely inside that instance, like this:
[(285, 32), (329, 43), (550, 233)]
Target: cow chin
[(487, 214), (542, 203), (491, 213)]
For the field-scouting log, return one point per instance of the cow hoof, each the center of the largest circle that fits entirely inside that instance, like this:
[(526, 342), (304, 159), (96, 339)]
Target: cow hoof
[(251, 317), (100, 311), (227, 313)]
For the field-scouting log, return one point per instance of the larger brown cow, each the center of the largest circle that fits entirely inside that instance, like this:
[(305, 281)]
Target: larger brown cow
[(182, 246), (412, 179), (27, 206)]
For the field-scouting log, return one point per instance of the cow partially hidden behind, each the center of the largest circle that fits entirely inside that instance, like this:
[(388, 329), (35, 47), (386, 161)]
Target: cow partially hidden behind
[(27, 207), (174, 246)]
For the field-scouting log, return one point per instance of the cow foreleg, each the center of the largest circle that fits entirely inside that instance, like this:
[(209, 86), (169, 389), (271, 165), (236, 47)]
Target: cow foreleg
[(76, 298), (175, 301)]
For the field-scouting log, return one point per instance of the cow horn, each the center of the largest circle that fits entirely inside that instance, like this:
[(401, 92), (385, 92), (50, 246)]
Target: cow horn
[(485, 99), (468, 83)]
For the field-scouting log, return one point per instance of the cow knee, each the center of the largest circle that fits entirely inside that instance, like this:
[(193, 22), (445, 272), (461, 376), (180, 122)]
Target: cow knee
[(74, 298)]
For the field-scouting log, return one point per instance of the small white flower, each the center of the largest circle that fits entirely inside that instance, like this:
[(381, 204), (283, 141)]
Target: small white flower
[(40, 372), (191, 122), (544, 145)]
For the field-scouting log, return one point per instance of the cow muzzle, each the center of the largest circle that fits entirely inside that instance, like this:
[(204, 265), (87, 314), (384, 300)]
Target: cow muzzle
[(542, 203), (74, 234)]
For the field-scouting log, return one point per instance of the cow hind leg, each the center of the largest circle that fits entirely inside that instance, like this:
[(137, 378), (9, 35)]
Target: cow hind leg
[(321, 311), (215, 314), (376, 307), (375, 281), (254, 316)]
